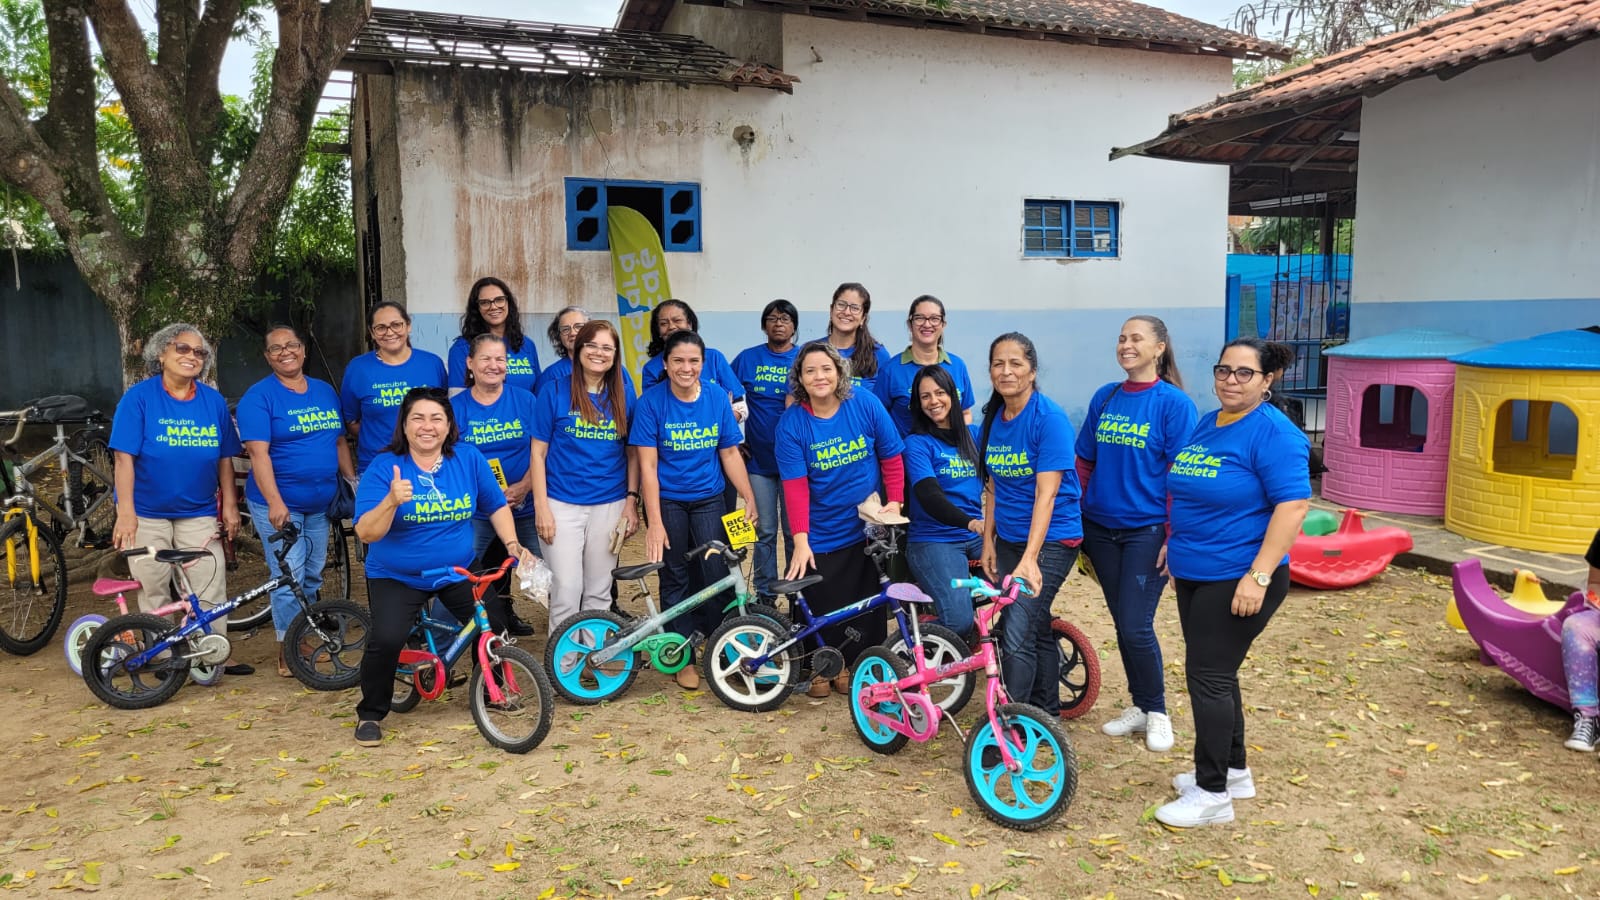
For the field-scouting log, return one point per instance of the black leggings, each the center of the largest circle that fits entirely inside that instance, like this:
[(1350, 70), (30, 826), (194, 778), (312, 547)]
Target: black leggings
[(848, 576), (1215, 643), (394, 608)]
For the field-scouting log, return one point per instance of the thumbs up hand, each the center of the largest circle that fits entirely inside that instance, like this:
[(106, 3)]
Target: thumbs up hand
[(399, 488)]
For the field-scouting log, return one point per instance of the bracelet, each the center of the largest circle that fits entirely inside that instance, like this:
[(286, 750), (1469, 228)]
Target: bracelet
[(633, 494)]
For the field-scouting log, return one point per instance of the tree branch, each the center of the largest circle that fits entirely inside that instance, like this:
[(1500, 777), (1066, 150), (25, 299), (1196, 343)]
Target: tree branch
[(150, 100), (175, 23), (202, 95)]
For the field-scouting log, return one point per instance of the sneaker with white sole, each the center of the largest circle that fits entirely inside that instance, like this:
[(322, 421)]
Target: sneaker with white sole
[(1241, 784), (1194, 808), (1585, 733), (1132, 719), (369, 734), (1157, 732)]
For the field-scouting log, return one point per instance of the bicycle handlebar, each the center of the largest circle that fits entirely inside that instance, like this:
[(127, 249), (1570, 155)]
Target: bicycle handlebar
[(448, 574), (717, 547), (1009, 586)]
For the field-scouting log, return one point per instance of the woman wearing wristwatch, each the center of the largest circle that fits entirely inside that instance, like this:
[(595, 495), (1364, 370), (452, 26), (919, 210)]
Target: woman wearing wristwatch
[(1239, 490)]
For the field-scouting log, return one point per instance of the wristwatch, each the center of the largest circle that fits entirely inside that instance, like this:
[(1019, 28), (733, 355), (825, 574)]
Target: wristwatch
[(1260, 578)]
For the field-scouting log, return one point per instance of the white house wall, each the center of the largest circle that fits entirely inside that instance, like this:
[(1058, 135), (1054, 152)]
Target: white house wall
[(901, 161), (1479, 201)]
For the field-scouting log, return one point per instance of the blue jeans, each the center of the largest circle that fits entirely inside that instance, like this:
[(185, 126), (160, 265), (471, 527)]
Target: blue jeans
[(1030, 664), (934, 565), (306, 559), (690, 523), (483, 535), (1125, 562), (769, 498)]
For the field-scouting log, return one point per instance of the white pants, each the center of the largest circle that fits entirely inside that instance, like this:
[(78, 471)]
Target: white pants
[(207, 576), (580, 558)]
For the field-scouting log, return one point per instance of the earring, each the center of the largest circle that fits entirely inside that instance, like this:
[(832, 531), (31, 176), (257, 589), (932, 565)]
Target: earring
[(1266, 395)]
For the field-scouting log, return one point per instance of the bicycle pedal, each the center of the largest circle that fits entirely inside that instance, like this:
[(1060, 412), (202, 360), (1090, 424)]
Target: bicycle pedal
[(852, 635)]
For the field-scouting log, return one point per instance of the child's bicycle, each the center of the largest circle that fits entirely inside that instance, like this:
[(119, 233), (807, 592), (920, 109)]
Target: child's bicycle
[(593, 655), (753, 666), (139, 660), (510, 696), (1080, 664), (1019, 765)]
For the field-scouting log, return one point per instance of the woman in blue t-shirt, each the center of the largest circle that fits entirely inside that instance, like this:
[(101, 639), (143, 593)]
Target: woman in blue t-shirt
[(687, 441), (374, 383), (764, 372), (174, 443), (585, 479), (849, 336), (1134, 431), (833, 447), (926, 321), (415, 506), (492, 309), (1031, 524), (668, 318), (946, 497), (291, 428), (497, 418), (1239, 488)]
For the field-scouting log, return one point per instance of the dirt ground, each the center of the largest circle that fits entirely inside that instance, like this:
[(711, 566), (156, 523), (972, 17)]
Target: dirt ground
[(1389, 763)]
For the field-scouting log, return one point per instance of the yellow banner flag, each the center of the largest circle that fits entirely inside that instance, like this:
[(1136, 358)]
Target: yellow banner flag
[(639, 268)]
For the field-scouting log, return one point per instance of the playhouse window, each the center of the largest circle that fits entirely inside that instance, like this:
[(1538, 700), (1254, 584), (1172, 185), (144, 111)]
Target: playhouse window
[(1070, 228), (1537, 438), (1394, 417), (673, 208)]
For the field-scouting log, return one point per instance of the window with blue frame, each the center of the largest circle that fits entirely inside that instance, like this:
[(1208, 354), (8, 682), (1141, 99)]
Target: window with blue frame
[(1071, 229), (672, 207)]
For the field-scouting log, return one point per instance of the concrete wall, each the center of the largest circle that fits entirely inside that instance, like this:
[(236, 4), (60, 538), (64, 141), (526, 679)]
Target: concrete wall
[(1480, 190), (902, 161)]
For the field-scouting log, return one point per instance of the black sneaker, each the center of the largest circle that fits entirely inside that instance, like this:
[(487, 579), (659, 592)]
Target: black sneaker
[(1585, 733), (516, 626), (369, 734)]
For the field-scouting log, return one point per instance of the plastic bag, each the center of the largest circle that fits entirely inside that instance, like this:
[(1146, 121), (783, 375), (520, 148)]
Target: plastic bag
[(533, 582)]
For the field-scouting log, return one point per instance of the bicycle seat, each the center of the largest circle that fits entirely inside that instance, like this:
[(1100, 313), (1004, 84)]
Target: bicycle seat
[(634, 573), (61, 408), (110, 587), (799, 584), (907, 593), (180, 556)]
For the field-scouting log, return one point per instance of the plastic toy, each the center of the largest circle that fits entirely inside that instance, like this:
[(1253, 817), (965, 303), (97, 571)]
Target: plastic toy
[(1524, 645), (1348, 556)]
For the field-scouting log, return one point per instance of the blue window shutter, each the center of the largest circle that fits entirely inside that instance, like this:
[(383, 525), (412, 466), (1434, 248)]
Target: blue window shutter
[(680, 217), (586, 215)]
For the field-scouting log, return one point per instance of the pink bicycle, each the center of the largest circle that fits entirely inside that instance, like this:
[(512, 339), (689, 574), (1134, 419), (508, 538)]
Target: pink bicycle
[(1019, 764)]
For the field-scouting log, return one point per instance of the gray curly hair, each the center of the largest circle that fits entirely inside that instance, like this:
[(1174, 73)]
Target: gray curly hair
[(158, 343)]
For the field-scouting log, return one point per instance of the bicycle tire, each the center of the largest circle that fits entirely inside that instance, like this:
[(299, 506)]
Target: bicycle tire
[(877, 665), (1080, 669), (78, 635), (26, 622), (770, 613), (120, 638), (566, 658), (529, 704), (332, 663), (95, 527), (249, 616), (740, 638), (941, 646), (1042, 791), (336, 571)]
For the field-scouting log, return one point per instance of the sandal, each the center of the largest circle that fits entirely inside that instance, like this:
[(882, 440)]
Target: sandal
[(841, 682), (283, 665), (819, 689)]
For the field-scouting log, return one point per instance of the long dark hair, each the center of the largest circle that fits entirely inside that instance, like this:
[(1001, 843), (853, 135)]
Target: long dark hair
[(472, 321), (958, 435), (611, 384), (400, 446), (1167, 365), (863, 354), (657, 342), (995, 403)]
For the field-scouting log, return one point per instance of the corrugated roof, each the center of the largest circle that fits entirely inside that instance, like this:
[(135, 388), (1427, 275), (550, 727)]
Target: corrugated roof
[(1409, 343), (1575, 350)]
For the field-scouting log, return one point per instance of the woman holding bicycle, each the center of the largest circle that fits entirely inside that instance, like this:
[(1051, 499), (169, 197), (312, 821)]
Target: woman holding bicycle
[(291, 428), (174, 443), (833, 446), (946, 497), (415, 507), (764, 372), (896, 380), (375, 383), (492, 309), (687, 441)]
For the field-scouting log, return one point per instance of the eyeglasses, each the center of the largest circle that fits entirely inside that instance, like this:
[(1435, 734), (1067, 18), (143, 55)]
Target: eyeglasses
[(182, 349), (777, 320), (291, 347), (1243, 375), (853, 309), (492, 302), (571, 329), (394, 328), (927, 320), (602, 349)]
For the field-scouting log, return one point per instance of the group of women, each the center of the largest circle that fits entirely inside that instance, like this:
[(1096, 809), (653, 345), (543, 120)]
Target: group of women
[(560, 461)]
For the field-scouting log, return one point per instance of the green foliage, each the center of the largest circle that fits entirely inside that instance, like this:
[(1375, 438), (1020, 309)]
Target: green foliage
[(1294, 235)]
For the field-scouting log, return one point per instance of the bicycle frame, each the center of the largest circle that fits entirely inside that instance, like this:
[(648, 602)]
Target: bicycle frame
[(29, 525), (815, 624), (478, 626), (639, 632), (27, 495)]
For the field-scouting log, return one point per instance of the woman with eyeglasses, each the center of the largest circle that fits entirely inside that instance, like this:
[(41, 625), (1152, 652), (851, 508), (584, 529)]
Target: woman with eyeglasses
[(926, 320), (492, 309), (291, 428), (585, 478), (563, 333), (946, 496), (1135, 429), (687, 441), (375, 383), (764, 372), (1239, 492), (849, 336), (175, 442), (414, 507), (670, 317)]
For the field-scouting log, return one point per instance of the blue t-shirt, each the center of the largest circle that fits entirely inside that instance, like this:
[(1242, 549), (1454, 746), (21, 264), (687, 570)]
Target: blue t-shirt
[(765, 376), (715, 370), (839, 458), (522, 366), (175, 445), (1224, 485), (687, 438), (561, 370), (371, 393), (586, 463), (302, 432), (1039, 439), (866, 386), (434, 528), (894, 383), (503, 433), (1131, 437), (929, 457)]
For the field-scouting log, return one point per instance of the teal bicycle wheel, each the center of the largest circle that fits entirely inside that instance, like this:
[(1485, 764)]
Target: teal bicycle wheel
[(566, 658), (1042, 789)]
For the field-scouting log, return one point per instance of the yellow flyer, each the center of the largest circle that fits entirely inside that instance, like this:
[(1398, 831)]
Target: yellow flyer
[(739, 530)]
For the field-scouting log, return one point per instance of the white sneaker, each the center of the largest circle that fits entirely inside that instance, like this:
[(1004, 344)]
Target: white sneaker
[(1132, 719), (1241, 784), (1157, 732), (1194, 808)]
